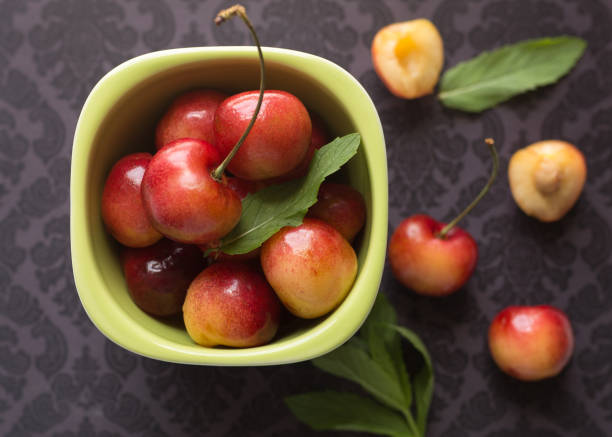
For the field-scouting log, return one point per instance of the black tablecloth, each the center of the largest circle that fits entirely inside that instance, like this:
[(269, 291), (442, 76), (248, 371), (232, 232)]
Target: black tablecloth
[(59, 376)]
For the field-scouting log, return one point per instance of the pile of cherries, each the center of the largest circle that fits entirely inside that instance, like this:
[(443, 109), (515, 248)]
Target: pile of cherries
[(168, 210)]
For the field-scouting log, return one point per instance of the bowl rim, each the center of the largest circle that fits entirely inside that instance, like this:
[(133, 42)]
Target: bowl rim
[(315, 341)]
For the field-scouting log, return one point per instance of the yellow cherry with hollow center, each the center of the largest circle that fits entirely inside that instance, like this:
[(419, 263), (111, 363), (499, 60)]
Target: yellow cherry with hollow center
[(408, 57), (546, 178)]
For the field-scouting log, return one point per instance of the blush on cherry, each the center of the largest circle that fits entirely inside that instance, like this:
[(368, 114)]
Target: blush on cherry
[(531, 343), (231, 304)]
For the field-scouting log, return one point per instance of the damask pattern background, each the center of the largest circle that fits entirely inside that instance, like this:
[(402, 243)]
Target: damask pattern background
[(60, 377)]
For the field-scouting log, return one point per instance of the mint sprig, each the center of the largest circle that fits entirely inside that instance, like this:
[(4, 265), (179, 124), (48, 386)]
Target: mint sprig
[(276, 206), (374, 360), (330, 410), (496, 76)]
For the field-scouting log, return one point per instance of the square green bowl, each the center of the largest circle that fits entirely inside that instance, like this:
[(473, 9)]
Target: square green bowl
[(119, 117)]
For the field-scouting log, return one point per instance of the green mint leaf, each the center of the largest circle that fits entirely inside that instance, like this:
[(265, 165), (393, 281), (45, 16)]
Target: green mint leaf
[(346, 412), (423, 381), (359, 343), (270, 209), (353, 363), (496, 76), (385, 344)]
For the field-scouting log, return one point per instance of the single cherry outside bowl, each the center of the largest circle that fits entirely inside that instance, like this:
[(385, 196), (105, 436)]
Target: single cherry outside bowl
[(119, 117)]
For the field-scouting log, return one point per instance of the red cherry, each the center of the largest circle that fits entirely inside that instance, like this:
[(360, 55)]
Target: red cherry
[(341, 206), (428, 264), (158, 276), (183, 200), (432, 258), (190, 115), (122, 210), (278, 141), (318, 139)]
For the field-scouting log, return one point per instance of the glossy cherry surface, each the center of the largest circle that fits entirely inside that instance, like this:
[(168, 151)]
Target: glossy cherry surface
[(427, 263), (158, 276), (123, 212), (231, 304), (531, 342), (190, 115), (183, 200), (278, 141)]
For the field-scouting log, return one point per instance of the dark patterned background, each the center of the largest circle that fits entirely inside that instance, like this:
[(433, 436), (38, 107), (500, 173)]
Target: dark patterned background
[(60, 377)]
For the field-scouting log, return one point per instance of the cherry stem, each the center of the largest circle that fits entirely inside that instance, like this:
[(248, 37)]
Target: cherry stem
[(224, 15), (446, 229)]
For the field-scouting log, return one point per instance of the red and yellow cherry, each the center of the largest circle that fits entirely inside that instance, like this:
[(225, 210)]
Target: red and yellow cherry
[(183, 199), (432, 258), (123, 212), (427, 263), (531, 343), (311, 267), (231, 304), (190, 115), (158, 276), (341, 206), (278, 141)]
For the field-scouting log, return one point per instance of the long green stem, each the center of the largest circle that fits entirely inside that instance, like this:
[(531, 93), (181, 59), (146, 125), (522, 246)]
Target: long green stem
[(224, 15), (484, 191)]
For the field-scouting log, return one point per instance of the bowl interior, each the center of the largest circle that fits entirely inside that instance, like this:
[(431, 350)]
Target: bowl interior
[(119, 118)]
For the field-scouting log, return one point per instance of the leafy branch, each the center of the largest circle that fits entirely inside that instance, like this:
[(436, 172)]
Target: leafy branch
[(373, 359)]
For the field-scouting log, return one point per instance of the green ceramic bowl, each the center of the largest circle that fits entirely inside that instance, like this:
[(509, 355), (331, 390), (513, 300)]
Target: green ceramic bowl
[(119, 117)]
